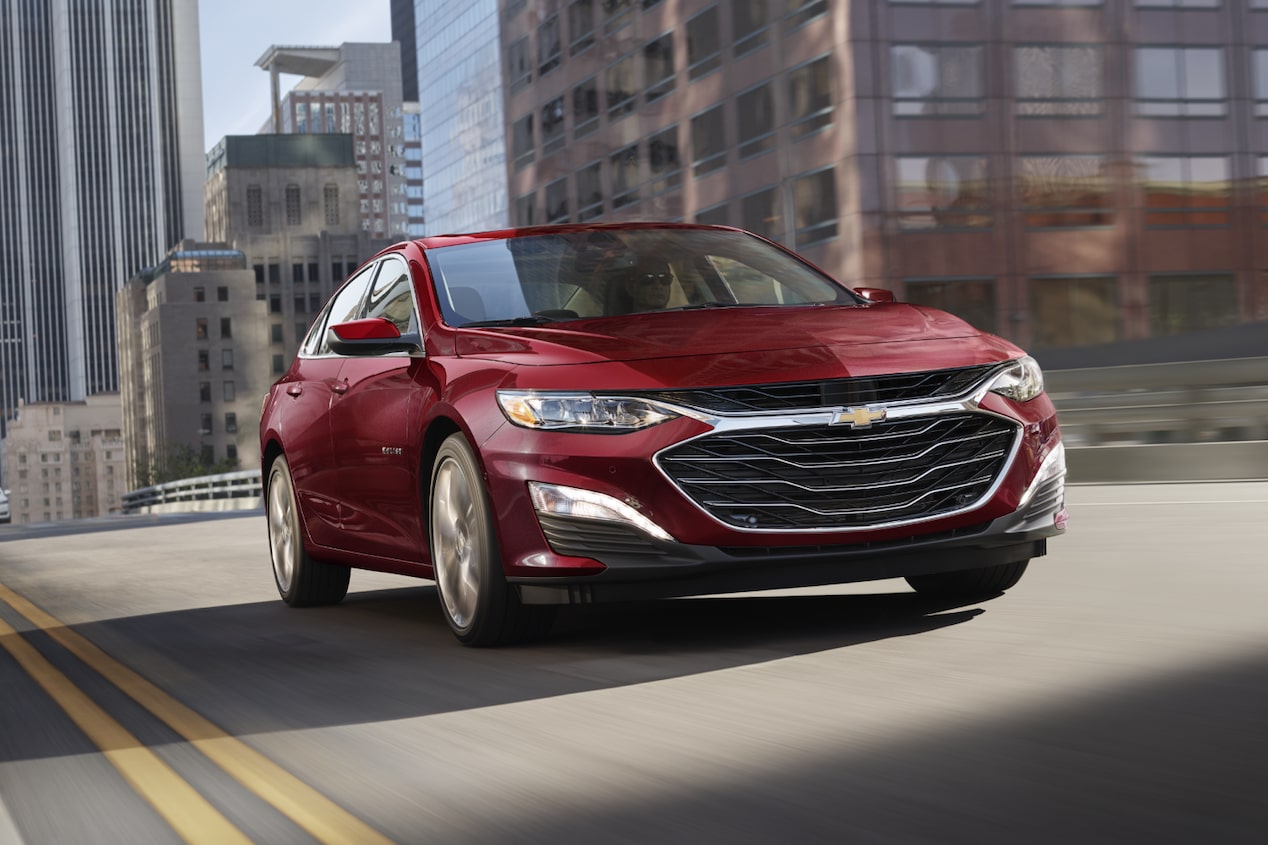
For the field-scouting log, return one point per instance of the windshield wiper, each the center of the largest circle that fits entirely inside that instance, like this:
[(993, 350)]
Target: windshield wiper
[(533, 320), (699, 306)]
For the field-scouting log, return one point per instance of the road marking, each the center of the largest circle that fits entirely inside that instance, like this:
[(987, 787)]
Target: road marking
[(190, 815), (322, 818)]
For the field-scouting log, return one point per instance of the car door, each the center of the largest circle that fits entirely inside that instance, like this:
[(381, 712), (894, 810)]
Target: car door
[(376, 424), (306, 398)]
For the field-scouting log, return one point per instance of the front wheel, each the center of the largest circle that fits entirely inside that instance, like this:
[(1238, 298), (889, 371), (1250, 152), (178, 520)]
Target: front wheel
[(970, 582), (480, 607), (300, 580)]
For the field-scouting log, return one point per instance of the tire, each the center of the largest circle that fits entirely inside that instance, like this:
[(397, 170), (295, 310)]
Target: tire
[(480, 607), (301, 581), (970, 582)]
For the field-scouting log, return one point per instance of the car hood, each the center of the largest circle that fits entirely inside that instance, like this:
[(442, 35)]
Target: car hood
[(723, 346)]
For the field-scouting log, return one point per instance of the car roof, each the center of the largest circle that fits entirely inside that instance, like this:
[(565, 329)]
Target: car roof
[(437, 241)]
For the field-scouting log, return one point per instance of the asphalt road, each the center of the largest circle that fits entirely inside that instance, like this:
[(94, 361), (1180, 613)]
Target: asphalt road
[(153, 689)]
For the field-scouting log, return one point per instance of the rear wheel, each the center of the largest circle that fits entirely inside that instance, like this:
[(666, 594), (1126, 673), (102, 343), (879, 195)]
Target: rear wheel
[(480, 607), (301, 581), (970, 582)]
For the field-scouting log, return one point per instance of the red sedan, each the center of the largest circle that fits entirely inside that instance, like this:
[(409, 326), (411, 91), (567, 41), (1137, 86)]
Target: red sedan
[(578, 414)]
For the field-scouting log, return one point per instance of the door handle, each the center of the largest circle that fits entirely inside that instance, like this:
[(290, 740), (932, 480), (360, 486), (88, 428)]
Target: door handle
[(340, 387), (294, 390)]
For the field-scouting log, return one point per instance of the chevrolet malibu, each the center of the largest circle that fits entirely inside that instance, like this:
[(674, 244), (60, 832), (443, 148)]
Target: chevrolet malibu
[(563, 415)]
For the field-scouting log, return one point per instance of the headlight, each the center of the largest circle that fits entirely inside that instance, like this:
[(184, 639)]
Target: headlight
[(580, 411), (1022, 381)]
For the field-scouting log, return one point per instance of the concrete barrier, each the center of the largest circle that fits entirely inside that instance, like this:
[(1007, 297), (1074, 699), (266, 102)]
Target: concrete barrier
[(1245, 460)]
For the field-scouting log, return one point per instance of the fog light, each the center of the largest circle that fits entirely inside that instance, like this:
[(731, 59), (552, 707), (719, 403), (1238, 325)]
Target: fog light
[(587, 504)]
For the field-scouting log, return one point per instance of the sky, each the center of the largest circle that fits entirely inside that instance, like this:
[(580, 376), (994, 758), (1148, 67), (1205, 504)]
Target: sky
[(235, 33)]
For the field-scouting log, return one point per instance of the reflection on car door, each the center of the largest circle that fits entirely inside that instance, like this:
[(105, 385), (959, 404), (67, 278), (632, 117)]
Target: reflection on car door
[(376, 426), (306, 401)]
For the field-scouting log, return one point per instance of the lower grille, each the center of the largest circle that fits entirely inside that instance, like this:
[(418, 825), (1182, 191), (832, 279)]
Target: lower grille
[(824, 477), (593, 537)]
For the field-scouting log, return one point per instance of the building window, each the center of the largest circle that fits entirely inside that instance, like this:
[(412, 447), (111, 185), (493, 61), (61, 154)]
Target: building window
[(275, 333), (625, 176), (1063, 191), (293, 216), (279, 365), (763, 213), (204, 360), (553, 137), (226, 359), (585, 108), (972, 300), (622, 88), (749, 25), (1073, 310), (580, 25), (1191, 303), (204, 391), (708, 140), (222, 294), (313, 272), (1185, 191), (589, 193), (200, 294), (937, 80), (715, 215), (756, 108), (801, 12), (557, 201), (815, 206), (658, 67), (229, 392), (1059, 80), (518, 64), (275, 273), (1180, 82), (204, 424), (704, 43), (663, 160), (226, 327), (200, 328), (810, 97), (330, 198), (524, 207), (255, 205), (944, 192), (297, 272), (549, 50), (616, 14), (275, 303), (1261, 81), (522, 141), (1263, 184)]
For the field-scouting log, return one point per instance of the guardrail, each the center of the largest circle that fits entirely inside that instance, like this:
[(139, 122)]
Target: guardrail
[(225, 492), (1185, 421)]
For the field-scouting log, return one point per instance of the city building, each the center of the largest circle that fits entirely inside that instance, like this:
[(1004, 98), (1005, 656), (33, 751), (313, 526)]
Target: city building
[(350, 89), (194, 354), (461, 94), (405, 33), (1061, 173), (65, 460), (101, 121), (416, 212)]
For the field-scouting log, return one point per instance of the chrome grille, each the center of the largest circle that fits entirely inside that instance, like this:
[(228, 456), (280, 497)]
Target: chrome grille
[(790, 396), (820, 477)]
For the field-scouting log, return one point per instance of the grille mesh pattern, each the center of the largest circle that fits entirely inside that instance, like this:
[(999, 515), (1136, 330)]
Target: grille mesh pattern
[(837, 477), (936, 384)]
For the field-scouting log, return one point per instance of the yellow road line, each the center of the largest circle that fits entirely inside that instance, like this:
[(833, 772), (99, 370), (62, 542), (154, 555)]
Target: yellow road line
[(189, 814), (324, 820)]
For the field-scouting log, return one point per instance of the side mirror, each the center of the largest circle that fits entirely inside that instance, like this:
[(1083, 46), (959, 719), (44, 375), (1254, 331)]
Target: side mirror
[(372, 336), (875, 294)]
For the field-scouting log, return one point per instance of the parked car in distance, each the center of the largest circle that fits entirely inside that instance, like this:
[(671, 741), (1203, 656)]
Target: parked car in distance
[(574, 414)]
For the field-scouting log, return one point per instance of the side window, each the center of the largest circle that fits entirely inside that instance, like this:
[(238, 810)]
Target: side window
[(345, 306), (393, 296)]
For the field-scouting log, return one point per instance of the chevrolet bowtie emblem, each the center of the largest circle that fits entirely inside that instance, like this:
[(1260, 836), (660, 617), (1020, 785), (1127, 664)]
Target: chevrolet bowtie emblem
[(859, 417)]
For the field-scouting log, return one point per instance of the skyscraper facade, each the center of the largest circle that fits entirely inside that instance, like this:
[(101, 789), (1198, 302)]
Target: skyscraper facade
[(1063, 172), (101, 171), (460, 98)]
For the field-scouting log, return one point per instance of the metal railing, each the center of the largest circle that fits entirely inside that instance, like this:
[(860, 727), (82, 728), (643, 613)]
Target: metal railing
[(227, 491)]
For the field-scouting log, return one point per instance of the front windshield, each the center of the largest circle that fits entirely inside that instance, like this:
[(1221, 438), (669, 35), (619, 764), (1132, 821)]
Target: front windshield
[(613, 272)]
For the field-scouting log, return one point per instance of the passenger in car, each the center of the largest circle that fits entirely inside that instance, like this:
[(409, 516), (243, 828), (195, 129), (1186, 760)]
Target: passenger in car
[(648, 285)]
